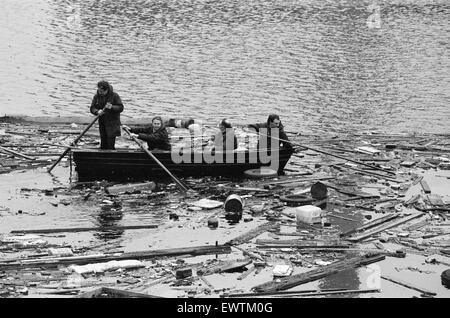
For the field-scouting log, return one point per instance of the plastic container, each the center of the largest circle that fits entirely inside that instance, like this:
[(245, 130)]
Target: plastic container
[(308, 214)]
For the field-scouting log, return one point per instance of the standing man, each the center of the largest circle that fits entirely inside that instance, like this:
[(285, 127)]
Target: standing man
[(108, 104)]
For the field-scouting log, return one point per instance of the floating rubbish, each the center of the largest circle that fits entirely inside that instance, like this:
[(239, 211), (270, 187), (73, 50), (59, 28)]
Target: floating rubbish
[(282, 270), (207, 204)]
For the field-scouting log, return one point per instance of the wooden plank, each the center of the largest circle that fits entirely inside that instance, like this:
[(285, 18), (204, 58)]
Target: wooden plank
[(15, 153), (87, 259), (228, 266), (384, 228), (341, 217), (122, 188), (371, 224), (113, 293), (86, 229), (435, 199), (425, 186), (246, 237), (302, 244), (303, 278), (246, 189), (246, 273), (413, 199), (368, 173), (298, 292), (343, 292), (298, 180)]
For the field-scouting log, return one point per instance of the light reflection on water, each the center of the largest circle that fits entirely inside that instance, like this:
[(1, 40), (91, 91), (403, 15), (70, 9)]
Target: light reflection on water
[(318, 63)]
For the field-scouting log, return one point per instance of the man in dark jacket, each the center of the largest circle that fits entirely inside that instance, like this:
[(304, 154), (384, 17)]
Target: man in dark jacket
[(108, 104), (156, 135), (273, 122), (225, 139)]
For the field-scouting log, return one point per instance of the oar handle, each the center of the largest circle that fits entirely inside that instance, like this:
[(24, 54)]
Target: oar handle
[(74, 142), (178, 182)]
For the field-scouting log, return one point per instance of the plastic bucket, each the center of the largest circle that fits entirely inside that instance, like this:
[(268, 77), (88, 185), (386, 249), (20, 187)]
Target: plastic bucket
[(308, 214), (233, 204), (319, 191)]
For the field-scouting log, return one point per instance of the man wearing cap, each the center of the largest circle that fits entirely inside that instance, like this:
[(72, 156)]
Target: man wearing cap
[(108, 105)]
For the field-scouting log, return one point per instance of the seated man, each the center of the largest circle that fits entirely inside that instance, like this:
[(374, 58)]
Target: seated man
[(156, 135), (225, 139)]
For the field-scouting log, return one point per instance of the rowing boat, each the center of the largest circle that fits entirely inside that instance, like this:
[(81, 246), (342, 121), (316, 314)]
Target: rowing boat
[(133, 164)]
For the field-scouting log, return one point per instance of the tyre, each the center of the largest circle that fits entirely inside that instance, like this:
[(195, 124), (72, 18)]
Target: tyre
[(445, 278), (261, 173), (297, 200)]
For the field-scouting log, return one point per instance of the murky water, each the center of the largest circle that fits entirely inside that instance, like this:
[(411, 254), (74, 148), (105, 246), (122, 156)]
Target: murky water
[(325, 65)]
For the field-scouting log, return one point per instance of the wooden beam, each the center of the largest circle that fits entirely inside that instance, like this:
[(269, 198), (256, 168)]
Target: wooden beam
[(17, 154), (425, 186), (86, 229), (279, 293)]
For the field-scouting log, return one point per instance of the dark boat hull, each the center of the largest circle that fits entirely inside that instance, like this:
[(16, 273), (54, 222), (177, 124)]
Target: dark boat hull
[(126, 164)]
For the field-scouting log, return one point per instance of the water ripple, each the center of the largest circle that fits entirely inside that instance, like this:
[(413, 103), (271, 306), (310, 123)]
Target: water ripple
[(318, 63)]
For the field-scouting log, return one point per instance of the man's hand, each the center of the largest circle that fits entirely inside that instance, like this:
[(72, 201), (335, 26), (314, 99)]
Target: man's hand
[(100, 112), (125, 127), (108, 106), (134, 135)]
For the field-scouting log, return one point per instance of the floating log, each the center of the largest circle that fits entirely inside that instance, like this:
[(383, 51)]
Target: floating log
[(366, 252), (384, 228), (303, 278), (371, 224), (409, 285), (86, 229)]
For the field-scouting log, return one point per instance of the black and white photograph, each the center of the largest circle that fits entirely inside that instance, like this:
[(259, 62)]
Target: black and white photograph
[(230, 156)]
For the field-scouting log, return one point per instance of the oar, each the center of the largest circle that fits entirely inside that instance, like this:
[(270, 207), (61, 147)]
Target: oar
[(178, 182), (331, 154), (74, 142)]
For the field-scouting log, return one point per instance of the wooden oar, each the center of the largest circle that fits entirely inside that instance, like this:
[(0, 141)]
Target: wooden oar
[(74, 142), (330, 154), (178, 182)]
